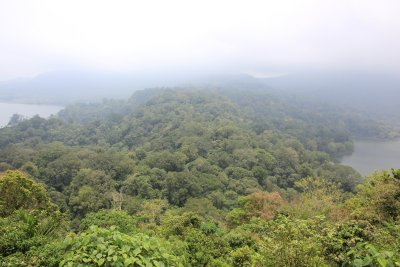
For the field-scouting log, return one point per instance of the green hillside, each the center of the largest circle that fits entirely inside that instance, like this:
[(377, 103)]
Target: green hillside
[(190, 177)]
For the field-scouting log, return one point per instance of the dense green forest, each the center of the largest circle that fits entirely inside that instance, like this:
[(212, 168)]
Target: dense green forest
[(190, 177)]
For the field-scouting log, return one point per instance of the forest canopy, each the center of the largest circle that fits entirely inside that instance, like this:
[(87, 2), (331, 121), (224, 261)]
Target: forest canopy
[(190, 177)]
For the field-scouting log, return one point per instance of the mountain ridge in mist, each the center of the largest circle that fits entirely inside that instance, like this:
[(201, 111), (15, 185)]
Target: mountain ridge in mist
[(76, 86), (373, 93)]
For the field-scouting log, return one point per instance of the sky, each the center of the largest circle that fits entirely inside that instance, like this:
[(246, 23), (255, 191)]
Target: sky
[(257, 37)]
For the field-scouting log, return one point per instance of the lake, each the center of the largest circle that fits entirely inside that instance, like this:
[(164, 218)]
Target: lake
[(27, 110), (369, 156)]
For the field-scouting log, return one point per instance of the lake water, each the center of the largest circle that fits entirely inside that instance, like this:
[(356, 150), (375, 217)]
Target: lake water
[(369, 156), (8, 109)]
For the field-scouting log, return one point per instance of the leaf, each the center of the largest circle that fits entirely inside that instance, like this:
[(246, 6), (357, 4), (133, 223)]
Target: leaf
[(367, 261), (382, 262), (128, 261), (389, 254), (358, 263), (100, 262), (136, 251), (110, 251), (126, 248), (372, 250)]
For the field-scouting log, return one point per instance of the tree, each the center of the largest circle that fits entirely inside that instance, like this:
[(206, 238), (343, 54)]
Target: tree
[(121, 220), (318, 197), (18, 191), (203, 207), (28, 220), (256, 205), (91, 190), (378, 198), (15, 119)]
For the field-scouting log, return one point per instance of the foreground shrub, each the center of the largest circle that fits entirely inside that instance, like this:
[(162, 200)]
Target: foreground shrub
[(108, 247)]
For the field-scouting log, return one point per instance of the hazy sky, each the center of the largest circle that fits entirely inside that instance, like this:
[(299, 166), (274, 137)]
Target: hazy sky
[(236, 36)]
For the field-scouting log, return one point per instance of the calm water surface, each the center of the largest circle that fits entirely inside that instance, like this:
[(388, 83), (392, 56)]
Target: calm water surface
[(8, 109), (369, 156)]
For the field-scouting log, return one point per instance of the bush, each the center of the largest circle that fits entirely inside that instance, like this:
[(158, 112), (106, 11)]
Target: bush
[(365, 254), (108, 247), (18, 191), (122, 221)]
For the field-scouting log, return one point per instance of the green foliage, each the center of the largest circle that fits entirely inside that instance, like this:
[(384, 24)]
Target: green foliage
[(226, 176), (365, 254), (18, 191), (152, 210), (203, 240), (178, 224), (121, 220), (339, 239), (203, 207), (318, 197), (378, 199), (50, 254), (28, 218), (91, 190), (240, 237), (18, 233), (257, 205), (108, 247), (24, 232), (243, 257), (293, 242), (203, 247)]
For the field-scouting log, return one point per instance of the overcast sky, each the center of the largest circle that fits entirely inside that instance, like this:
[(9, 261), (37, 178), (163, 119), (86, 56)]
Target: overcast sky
[(258, 37)]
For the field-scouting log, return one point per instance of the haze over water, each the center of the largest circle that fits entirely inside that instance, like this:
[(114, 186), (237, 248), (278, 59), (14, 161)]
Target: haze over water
[(370, 156), (8, 109)]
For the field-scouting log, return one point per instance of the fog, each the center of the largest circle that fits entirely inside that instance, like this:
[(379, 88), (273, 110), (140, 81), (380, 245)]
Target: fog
[(261, 38), (59, 52)]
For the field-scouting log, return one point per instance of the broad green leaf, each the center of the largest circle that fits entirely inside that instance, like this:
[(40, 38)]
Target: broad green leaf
[(358, 263), (382, 262), (100, 262)]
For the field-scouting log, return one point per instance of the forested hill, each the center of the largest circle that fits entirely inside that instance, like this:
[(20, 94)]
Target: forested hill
[(166, 153), (264, 139)]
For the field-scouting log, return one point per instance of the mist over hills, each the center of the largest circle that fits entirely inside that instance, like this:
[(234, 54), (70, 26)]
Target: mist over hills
[(376, 94), (65, 87), (69, 87), (373, 93)]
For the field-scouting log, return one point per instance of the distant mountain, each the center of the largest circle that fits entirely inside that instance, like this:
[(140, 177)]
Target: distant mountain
[(69, 87), (376, 94)]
